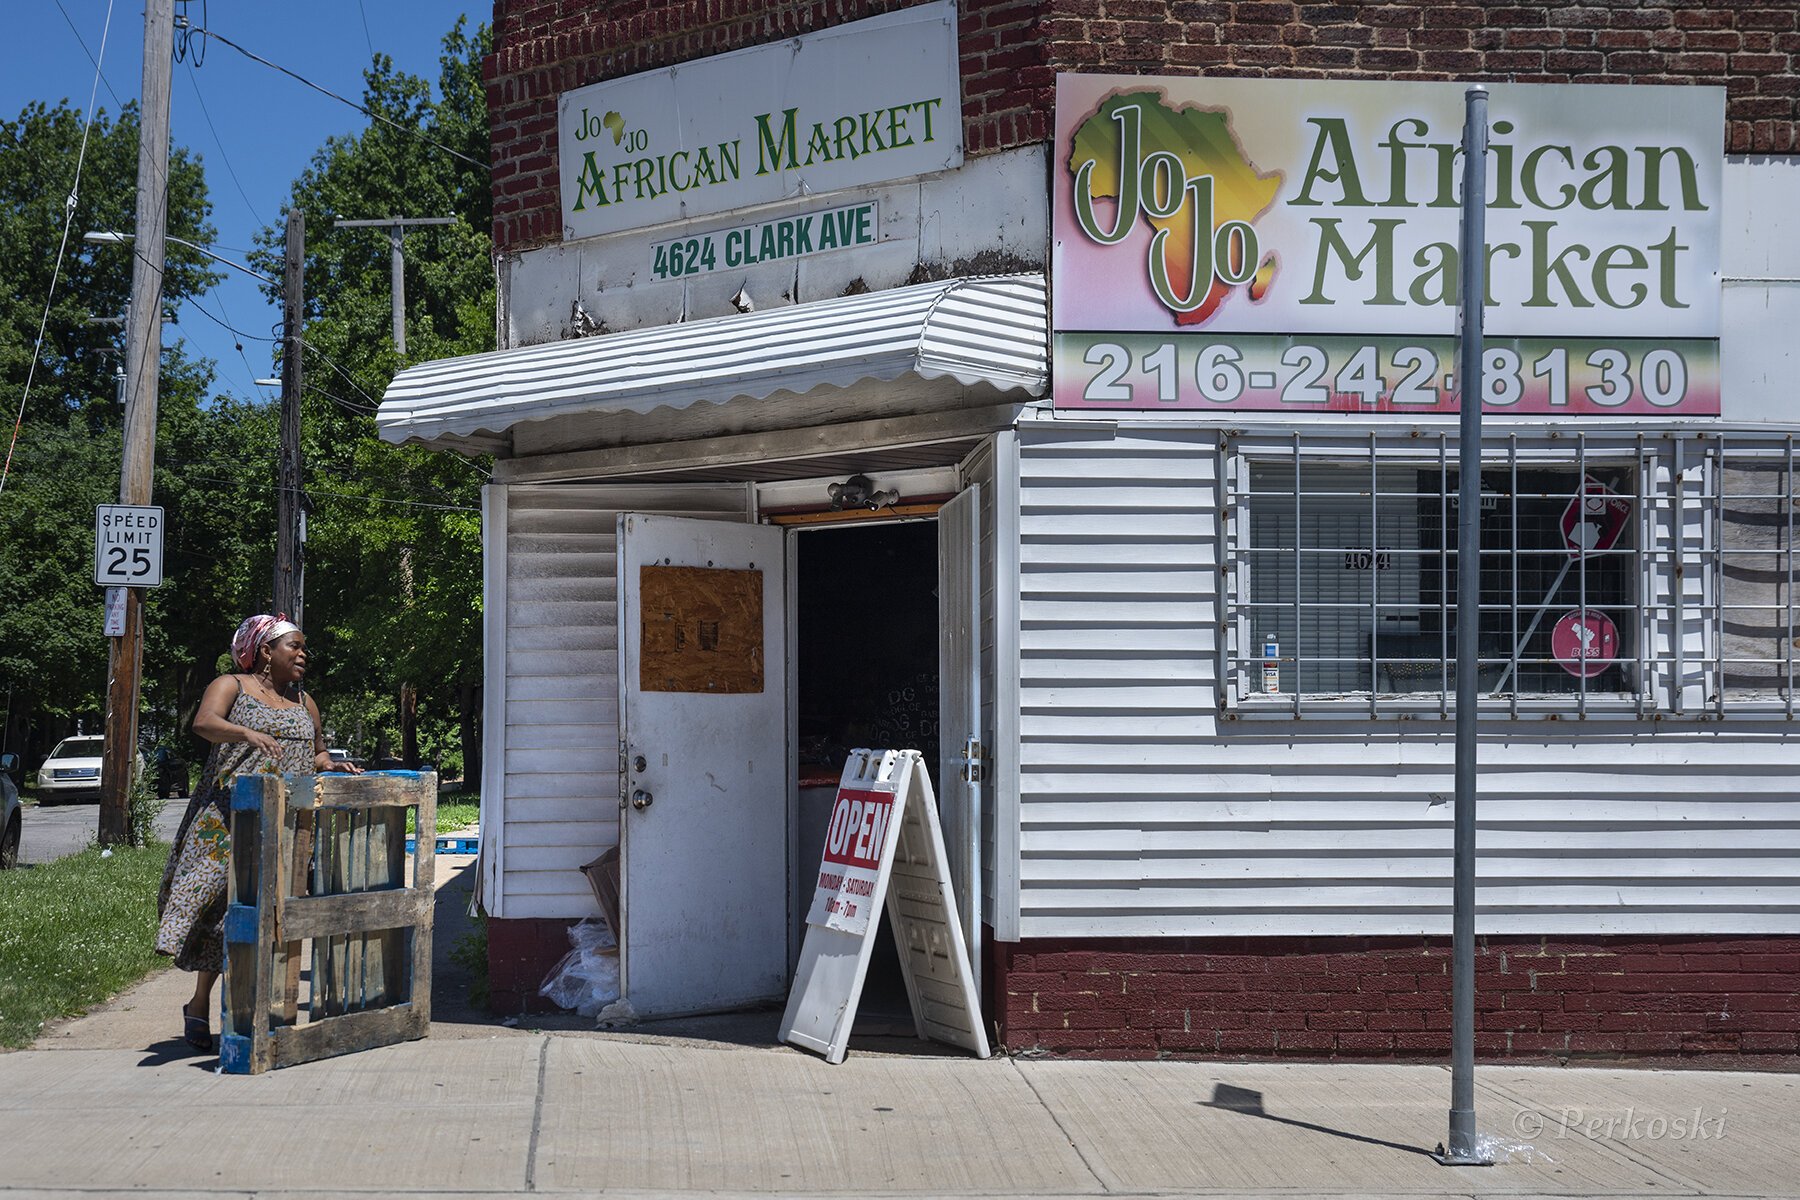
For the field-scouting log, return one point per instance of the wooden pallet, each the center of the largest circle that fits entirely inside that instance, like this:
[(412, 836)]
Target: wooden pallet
[(322, 860)]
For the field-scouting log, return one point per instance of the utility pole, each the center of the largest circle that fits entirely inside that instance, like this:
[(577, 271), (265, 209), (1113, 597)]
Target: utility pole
[(143, 364), (1465, 1145), (396, 227), (290, 562)]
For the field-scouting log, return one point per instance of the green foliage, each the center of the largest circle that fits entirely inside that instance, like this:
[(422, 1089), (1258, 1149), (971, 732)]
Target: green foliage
[(145, 807), (470, 952), (452, 815), (52, 653), (394, 591), (77, 931)]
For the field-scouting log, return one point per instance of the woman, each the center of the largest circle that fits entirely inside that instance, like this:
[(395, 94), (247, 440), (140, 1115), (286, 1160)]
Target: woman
[(258, 720)]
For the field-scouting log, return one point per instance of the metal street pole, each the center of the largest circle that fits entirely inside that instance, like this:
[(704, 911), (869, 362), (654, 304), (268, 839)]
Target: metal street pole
[(396, 227), (290, 565), (1463, 1149), (143, 363)]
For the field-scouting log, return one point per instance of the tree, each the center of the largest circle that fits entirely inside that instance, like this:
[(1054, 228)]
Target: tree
[(393, 554), (52, 652)]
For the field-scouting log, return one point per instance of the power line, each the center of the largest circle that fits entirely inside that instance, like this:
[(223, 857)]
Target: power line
[(184, 41), (62, 248), (309, 491), (194, 82), (82, 42), (227, 326), (241, 484), (248, 369), (373, 116), (367, 40), (361, 410), (332, 363), (385, 500), (348, 378), (160, 168)]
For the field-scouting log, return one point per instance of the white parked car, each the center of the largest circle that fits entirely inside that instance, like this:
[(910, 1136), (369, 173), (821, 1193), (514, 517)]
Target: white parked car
[(72, 772)]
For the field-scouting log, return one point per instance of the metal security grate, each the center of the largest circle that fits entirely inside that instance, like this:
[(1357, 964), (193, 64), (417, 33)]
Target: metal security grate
[(1619, 574)]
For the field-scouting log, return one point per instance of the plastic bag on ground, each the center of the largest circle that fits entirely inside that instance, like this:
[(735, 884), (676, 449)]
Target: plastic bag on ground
[(586, 979)]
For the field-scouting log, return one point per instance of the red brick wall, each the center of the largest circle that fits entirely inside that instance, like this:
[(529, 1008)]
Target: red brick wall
[(1752, 47), (1010, 49), (521, 952), (545, 47), (1385, 998)]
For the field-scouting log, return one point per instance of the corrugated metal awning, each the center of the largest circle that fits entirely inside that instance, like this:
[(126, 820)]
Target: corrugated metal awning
[(980, 330)]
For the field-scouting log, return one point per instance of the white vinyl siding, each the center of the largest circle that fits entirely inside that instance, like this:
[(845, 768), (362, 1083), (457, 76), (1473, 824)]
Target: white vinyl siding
[(1142, 813), (559, 801)]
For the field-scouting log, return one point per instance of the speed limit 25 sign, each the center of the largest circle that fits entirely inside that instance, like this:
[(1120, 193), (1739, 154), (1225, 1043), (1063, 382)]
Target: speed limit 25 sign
[(128, 545)]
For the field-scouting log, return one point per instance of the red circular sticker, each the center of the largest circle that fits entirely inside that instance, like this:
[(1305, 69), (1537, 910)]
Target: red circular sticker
[(1585, 643)]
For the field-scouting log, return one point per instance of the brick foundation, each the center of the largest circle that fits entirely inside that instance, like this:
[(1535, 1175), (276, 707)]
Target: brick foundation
[(521, 952), (1537, 998)]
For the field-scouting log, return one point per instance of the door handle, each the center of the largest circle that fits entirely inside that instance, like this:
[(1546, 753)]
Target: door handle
[(640, 799)]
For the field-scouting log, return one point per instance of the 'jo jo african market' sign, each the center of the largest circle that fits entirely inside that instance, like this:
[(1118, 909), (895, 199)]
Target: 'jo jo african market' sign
[(846, 107), (1292, 246)]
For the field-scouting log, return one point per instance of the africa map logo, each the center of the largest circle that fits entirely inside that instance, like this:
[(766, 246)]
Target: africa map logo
[(1182, 170)]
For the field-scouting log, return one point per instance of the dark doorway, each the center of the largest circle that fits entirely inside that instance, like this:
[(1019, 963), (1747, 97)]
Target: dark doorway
[(866, 659)]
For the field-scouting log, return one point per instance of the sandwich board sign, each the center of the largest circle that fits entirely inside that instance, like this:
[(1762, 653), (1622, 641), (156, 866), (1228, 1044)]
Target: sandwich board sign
[(883, 849)]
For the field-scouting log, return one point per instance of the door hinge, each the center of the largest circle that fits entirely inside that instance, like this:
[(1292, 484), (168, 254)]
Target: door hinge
[(974, 768)]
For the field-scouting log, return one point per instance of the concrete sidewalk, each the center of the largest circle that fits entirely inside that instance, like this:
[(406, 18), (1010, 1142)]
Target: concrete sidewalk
[(112, 1104)]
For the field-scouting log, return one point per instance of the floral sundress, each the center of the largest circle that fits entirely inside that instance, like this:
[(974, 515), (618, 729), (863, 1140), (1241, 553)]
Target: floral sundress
[(191, 902)]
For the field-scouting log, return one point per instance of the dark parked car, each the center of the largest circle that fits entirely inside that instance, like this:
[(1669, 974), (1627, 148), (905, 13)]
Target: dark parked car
[(171, 774), (11, 819)]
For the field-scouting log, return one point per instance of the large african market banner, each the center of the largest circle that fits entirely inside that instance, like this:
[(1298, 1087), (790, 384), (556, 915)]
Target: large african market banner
[(1293, 246)]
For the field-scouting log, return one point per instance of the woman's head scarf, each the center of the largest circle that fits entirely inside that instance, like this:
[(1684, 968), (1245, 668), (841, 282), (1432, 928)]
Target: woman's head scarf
[(255, 633)]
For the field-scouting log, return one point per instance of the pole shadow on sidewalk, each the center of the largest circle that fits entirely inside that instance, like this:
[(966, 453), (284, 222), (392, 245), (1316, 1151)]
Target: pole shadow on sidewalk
[(1250, 1103)]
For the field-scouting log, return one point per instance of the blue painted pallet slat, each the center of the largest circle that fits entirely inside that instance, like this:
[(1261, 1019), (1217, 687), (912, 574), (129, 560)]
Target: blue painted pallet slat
[(451, 844), (240, 925), (234, 1054)]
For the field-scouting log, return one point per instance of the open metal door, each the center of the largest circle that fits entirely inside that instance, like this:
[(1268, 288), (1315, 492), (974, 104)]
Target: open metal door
[(961, 756), (703, 738)]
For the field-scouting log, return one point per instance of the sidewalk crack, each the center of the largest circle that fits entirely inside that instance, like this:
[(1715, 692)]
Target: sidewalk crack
[(537, 1117), (1061, 1128)]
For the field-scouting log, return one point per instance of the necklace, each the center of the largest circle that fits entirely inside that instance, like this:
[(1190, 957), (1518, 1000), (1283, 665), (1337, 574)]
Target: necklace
[(270, 695)]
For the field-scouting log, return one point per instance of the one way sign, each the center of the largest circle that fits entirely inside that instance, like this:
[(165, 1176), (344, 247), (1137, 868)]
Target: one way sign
[(128, 545)]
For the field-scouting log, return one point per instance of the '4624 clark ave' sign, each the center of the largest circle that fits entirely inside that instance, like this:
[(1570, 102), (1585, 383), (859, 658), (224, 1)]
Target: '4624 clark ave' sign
[(854, 105), (1293, 246)]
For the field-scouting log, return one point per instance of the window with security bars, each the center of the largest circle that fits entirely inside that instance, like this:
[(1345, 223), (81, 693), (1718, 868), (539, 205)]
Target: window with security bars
[(1758, 629), (1622, 573)]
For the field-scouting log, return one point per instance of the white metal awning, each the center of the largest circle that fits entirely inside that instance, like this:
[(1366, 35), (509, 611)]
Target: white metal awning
[(988, 329)]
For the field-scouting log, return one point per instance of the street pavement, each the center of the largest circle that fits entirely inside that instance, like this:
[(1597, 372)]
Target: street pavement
[(113, 1104), (47, 834)]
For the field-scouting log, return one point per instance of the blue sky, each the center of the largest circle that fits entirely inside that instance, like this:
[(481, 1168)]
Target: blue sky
[(240, 117)]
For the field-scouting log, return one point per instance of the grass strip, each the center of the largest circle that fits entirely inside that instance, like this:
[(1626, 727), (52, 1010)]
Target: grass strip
[(73, 933), (452, 815)]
